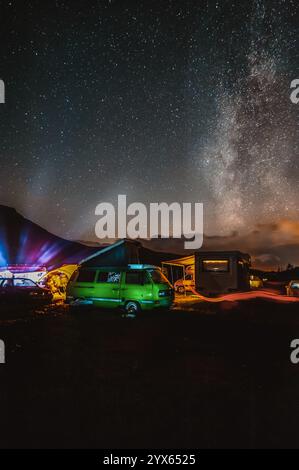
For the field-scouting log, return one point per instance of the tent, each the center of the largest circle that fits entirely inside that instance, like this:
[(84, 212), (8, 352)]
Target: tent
[(67, 269), (58, 279)]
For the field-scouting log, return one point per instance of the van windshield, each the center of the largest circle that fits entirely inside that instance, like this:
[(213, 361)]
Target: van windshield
[(158, 277)]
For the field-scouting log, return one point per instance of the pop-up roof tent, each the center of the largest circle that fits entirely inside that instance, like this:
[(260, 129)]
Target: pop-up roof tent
[(125, 252), (120, 253)]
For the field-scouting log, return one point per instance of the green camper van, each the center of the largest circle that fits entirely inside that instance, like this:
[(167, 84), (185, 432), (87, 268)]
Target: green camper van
[(133, 288)]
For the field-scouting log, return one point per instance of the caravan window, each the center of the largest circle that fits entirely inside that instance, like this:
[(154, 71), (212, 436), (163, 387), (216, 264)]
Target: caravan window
[(216, 266), (86, 275)]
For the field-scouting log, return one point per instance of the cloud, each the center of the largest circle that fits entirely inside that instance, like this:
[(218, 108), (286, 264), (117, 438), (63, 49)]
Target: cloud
[(269, 244)]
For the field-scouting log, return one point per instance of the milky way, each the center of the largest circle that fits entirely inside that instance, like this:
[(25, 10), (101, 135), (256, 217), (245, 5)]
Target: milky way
[(251, 160), (161, 101)]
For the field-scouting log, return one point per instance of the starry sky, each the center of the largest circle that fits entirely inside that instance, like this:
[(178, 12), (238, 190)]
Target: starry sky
[(185, 101)]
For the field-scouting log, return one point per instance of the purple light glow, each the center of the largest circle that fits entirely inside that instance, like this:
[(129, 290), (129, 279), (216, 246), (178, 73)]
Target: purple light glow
[(3, 249), (34, 251), (22, 252), (48, 252)]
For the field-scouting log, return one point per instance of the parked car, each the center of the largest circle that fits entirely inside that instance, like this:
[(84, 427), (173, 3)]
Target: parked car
[(293, 288), (22, 291), (255, 282), (133, 288), (185, 285)]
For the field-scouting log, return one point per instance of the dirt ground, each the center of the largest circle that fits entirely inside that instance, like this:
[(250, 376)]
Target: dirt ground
[(217, 376)]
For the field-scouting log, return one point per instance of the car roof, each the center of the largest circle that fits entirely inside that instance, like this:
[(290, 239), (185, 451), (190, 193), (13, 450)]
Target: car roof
[(16, 278)]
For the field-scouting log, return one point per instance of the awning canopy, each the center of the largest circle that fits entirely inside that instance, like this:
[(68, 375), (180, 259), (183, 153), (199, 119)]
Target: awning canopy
[(185, 261)]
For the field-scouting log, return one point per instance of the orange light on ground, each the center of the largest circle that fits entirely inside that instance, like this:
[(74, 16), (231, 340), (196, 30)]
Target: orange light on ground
[(239, 296)]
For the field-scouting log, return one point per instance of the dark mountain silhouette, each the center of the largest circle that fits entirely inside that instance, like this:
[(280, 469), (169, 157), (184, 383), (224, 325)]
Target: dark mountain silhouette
[(24, 242)]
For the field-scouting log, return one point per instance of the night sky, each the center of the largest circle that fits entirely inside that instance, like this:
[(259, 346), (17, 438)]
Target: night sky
[(185, 101)]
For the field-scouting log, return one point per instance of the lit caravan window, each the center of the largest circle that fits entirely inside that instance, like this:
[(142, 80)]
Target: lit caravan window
[(86, 275), (216, 265)]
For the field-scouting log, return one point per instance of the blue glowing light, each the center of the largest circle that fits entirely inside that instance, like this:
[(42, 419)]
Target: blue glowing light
[(4, 258)]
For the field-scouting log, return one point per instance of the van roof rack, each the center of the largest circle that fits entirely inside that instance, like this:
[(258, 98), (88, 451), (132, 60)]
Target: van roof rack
[(142, 266)]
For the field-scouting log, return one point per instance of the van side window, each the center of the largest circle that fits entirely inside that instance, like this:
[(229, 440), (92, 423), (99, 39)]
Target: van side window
[(86, 275), (102, 277), (109, 277), (136, 277)]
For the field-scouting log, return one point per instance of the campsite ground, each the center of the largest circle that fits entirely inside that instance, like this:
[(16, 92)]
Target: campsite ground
[(217, 376)]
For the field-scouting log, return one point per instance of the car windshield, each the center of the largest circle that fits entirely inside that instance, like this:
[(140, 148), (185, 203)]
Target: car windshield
[(158, 277), (6, 283), (24, 283)]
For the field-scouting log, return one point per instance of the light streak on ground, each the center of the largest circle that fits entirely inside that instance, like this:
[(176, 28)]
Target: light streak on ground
[(239, 296)]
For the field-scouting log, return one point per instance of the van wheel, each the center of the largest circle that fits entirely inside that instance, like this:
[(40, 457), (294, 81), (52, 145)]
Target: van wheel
[(181, 289), (132, 308)]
